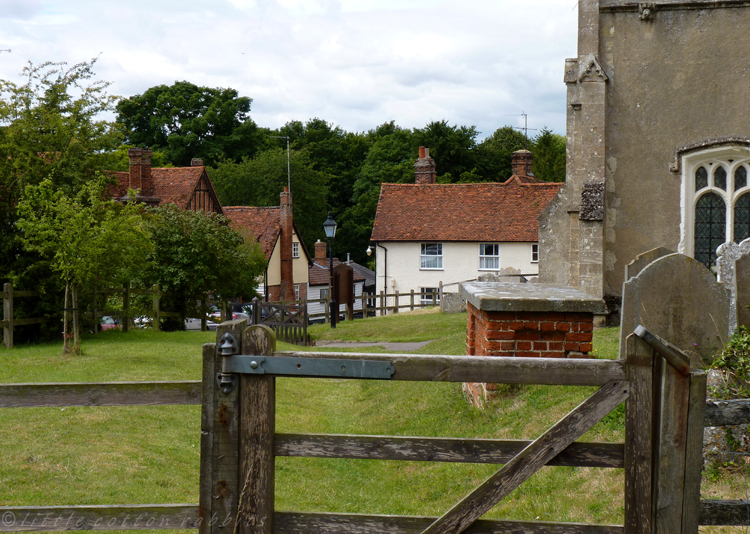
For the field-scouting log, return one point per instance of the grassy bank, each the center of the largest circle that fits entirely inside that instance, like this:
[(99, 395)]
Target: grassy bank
[(133, 455)]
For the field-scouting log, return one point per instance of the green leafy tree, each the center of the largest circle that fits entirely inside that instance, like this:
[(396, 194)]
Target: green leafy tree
[(260, 181), (196, 253), (86, 238), (50, 128), (187, 121), (453, 148), (549, 156)]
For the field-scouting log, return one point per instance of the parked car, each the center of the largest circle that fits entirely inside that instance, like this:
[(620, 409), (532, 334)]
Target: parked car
[(108, 323)]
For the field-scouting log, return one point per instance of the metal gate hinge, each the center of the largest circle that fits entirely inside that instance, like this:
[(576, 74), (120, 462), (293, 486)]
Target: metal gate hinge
[(320, 367)]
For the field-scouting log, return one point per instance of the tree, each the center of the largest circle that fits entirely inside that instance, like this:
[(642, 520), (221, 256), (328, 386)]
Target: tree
[(453, 148), (196, 253), (187, 121), (260, 181), (88, 239), (51, 127), (549, 156), (495, 153)]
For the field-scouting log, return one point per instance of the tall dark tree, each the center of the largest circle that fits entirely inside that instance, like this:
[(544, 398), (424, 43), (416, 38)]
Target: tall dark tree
[(260, 181), (187, 121), (496, 150), (549, 156), (453, 148)]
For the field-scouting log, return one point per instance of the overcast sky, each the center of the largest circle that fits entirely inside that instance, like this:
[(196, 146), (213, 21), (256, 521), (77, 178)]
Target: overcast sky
[(354, 63)]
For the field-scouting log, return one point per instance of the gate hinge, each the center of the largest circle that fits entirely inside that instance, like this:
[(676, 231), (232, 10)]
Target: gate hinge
[(319, 367)]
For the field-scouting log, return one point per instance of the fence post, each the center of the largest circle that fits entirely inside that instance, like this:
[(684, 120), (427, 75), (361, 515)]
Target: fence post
[(156, 306), (76, 336), (694, 454), (8, 315), (440, 291), (257, 428), (220, 416), (434, 299), (204, 311), (349, 312), (640, 422), (126, 307), (327, 304), (411, 300), (94, 311), (395, 302)]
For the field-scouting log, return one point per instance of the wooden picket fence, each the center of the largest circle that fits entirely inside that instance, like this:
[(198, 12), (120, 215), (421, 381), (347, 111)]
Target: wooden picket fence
[(661, 455)]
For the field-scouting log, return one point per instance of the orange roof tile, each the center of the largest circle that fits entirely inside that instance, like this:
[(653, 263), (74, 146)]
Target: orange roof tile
[(263, 223), (491, 212), (173, 185)]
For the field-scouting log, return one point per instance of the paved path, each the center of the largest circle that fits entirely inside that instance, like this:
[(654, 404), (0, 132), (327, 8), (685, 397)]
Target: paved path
[(399, 347)]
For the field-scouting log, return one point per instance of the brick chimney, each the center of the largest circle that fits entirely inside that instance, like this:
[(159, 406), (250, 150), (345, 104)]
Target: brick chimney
[(320, 252), (196, 162), (140, 169), (521, 162), (286, 291), (424, 168)]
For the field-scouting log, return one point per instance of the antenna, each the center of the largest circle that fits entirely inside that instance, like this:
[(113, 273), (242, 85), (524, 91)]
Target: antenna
[(525, 128), (288, 166)]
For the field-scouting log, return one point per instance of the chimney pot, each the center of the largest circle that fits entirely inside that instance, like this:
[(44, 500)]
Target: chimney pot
[(421, 152)]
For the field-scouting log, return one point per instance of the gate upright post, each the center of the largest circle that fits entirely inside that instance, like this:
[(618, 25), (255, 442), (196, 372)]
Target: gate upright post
[(257, 428), (640, 411), (220, 416)]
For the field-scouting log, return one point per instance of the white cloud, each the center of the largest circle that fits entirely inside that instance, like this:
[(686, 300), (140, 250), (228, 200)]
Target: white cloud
[(355, 63)]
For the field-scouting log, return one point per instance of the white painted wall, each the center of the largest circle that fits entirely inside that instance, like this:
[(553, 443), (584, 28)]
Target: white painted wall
[(460, 263), (313, 294)]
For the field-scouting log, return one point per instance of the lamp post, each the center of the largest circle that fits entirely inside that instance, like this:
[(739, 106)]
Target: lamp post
[(329, 227)]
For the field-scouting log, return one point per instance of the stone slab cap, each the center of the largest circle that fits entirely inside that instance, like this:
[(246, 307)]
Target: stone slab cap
[(509, 296)]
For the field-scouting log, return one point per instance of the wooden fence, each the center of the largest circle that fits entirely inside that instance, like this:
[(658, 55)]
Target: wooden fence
[(288, 321), (661, 455), (9, 322)]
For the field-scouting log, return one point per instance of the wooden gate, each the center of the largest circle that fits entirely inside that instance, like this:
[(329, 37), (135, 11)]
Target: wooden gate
[(662, 453), (288, 321)]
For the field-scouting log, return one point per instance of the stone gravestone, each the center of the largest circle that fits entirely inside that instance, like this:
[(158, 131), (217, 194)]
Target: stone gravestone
[(641, 260), (733, 273), (742, 287), (678, 299)]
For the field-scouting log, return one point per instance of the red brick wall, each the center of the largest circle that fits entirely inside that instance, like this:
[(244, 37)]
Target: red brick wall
[(529, 334), (274, 293)]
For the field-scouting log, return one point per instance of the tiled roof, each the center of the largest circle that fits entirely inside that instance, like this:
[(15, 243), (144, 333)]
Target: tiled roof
[(173, 185), (263, 223), (319, 275), (492, 212)]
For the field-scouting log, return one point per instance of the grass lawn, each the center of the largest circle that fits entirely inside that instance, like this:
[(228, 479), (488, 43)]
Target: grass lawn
[(145, 455)]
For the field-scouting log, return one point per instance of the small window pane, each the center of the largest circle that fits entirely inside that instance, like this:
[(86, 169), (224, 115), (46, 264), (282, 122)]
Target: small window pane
[(740, 178), (720, 178), (489, 256), (710, 227), (701, 178), (742, 218)]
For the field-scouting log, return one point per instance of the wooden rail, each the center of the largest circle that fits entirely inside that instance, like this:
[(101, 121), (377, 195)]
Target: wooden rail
[(228, 440)]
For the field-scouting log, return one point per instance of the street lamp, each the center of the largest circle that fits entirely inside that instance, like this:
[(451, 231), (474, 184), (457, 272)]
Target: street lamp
[(329, 227)]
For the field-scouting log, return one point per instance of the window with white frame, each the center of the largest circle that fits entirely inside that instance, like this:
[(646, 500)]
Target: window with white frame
[(295, 250), (715, 201), (489, 256), (296, 291), (431, 256), (426, 295), (534, 253), (324, 293)]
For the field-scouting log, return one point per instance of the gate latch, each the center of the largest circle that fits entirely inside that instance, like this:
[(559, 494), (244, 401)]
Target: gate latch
[(319, 367)]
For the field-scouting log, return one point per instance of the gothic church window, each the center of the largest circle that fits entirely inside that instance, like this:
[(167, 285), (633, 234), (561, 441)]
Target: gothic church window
[(715, 201)]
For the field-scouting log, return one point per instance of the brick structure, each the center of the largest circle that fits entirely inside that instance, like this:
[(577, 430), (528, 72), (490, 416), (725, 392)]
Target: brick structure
[(526, 320), (424, 168), (529, 334)]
